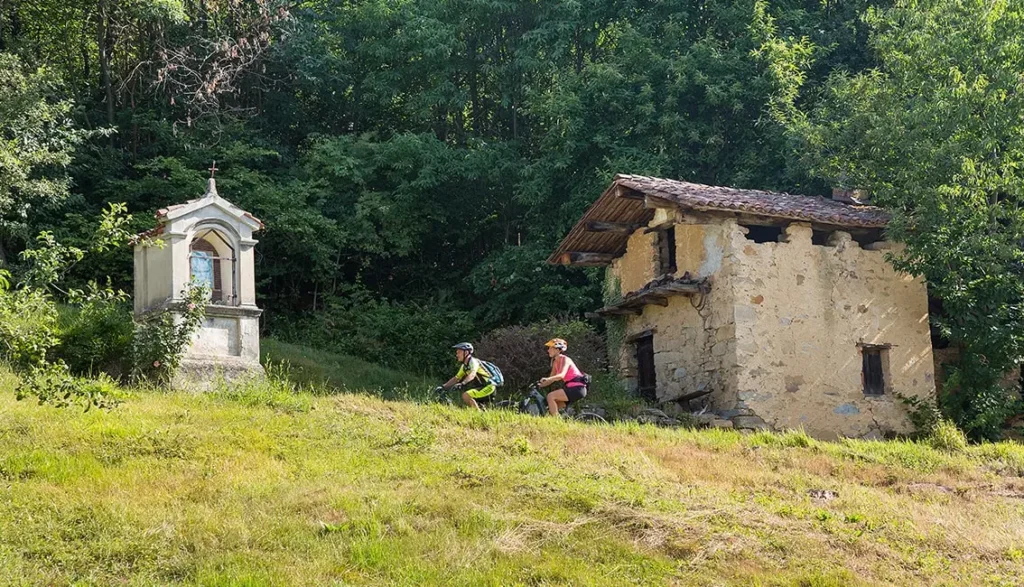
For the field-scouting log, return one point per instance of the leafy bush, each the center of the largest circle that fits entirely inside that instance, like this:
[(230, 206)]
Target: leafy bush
[(52, 349), (53, 383), (520, 354), (923, 413), (947, 437), (28, 327), (406, 336), (96, 334), (974, 400), (160, 342)]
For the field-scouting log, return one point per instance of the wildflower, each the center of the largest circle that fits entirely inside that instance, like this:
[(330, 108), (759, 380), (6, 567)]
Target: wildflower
[(191, 307), (156, 364)]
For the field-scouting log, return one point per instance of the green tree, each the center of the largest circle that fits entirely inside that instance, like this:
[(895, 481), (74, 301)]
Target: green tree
[(37, 139), (935, 132), (425, 152)]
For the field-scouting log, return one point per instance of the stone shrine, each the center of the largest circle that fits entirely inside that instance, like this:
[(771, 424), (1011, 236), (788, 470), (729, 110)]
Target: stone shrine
[(207, 241)]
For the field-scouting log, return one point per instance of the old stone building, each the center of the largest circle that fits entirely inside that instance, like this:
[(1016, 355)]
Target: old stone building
[(776, 310)]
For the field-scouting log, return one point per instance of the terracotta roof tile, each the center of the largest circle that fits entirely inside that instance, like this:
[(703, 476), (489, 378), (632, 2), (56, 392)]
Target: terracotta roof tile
[(757, 202)]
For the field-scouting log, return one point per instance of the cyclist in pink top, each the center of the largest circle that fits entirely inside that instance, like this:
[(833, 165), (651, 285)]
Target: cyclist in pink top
[(565, 370)]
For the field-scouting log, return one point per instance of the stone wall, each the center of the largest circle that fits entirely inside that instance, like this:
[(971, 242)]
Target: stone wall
[(692, 336), (801, 310)]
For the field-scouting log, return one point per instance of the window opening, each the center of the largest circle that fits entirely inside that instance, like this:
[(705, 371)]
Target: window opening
[(763, 234), (647, 383), (820, 237), (667, 251), (868, 237), (873, 369)]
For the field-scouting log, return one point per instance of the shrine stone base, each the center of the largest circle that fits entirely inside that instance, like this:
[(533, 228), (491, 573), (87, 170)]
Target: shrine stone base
[(207, 374), (225, 350)]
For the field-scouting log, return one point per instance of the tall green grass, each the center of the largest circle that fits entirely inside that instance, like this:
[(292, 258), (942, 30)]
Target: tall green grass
[(327, 372)]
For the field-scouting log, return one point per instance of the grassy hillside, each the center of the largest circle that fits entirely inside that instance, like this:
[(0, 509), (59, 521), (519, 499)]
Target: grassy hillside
[(251, 489), (325, 369)]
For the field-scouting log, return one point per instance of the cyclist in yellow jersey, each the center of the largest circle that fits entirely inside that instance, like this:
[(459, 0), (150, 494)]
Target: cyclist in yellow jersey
[(472, 378)]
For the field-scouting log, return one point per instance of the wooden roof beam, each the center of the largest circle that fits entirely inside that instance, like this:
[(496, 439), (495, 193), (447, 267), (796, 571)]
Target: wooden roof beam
[(653, 202), (657, 300), (618, 311), (587, 259), (619, 227), (628, 194)]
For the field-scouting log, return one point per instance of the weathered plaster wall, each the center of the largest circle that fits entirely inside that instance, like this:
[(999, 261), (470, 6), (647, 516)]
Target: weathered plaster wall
[(682, 356), (800, 310), (693, 339), (636, 267)]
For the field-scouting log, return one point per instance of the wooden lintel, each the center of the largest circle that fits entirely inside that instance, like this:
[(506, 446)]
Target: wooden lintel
[(693, 217), (659, 227), (753, 220), (683, 288), (656, 202), (585, 259), (628, 194), (644, 333), (621, 227), (875, 346), (656, 300)]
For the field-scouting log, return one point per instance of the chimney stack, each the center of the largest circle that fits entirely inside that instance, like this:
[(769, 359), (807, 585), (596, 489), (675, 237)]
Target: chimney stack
[(855, 197)]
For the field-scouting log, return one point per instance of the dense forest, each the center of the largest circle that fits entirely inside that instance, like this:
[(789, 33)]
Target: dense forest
[(416, 160)]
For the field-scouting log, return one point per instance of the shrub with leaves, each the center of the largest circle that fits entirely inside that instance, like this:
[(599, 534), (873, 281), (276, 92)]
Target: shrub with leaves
[(28, 327), (53, 337), (96, 331), (53, 383), (520, 353), (923, 413), (947, 437), (160, 341), (412, 337)]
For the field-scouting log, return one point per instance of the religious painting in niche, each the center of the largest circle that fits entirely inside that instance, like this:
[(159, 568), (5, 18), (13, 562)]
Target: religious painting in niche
[(205, 264)]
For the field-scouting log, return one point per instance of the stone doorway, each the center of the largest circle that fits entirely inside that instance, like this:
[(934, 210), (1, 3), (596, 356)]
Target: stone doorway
[(647, 383)]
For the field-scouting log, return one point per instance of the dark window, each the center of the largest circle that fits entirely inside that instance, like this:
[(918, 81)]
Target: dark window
[(763, 234), (820, 237), (667, 251), (867, 237), (873, 370), (647, 384)]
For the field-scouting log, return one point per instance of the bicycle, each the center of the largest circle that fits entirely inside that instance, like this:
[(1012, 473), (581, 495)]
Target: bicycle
[(444, 396), (535, 404)]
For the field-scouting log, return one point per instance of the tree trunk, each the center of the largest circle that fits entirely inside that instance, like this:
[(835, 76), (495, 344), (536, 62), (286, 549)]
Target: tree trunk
[(474, 90), (104, 46)]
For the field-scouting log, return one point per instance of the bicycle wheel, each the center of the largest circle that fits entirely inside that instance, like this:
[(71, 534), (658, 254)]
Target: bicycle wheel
[(505, 404), (590, 417)]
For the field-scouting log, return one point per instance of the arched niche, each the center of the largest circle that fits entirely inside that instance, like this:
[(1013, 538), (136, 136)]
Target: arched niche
[(213, 262)]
